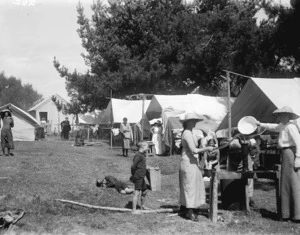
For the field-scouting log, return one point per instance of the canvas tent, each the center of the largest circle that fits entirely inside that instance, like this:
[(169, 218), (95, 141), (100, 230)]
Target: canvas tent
[(172, 107), (24, 124), (261, 96), (117, 109), (165, 106), (91, 118)]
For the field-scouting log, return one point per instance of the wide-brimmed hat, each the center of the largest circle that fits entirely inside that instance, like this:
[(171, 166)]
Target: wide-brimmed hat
[(2, 112), (191, 116), (287, 110)]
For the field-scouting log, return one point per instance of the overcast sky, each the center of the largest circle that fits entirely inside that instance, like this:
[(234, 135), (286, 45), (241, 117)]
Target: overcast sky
[(33, 32)]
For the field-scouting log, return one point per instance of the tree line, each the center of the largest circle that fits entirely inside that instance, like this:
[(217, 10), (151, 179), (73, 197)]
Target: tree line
[(169, 47), (13, 91)]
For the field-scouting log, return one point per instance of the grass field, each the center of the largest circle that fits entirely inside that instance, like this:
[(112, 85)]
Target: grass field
[(43, 171)]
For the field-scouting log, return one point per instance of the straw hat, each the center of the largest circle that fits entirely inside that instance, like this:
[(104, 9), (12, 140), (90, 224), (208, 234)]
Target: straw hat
[(2, 112), (191, 116), (288, 110)]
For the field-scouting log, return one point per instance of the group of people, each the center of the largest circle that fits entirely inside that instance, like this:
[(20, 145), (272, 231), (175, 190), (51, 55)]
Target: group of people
[(156, 136), (191, 184), (192, 190)]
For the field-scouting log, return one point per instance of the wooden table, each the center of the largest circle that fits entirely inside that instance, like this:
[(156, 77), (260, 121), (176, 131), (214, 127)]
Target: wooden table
[(244, 176)]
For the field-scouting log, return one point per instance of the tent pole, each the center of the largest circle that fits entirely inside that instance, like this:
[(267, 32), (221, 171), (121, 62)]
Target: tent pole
[(111, 138), (229, 112), (229, 104), (142, 124)]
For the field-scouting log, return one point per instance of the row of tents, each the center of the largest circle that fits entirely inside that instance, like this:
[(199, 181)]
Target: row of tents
[(259, 98)]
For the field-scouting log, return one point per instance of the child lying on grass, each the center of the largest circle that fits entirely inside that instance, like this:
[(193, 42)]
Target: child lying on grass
[(111, 182)]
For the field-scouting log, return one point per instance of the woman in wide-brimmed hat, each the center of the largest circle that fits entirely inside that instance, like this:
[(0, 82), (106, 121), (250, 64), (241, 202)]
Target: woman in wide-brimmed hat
[(192, 189), (289, 143), (157, 137), (6, 133)]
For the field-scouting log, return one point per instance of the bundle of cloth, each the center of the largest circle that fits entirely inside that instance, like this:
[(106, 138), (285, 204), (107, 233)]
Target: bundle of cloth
[(9, 218)]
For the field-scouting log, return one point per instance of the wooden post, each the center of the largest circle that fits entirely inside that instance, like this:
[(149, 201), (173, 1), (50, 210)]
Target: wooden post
[(229, 104), (229, 111), (213, 197), (111, 138), (246, 196), (88, 134), (112, 125), (143, 110)]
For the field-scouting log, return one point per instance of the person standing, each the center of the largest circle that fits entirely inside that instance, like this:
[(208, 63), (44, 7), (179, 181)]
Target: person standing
[(156, 131), (6, 132), (44, 125), (192, 189), (138, 174), (125, 130), (212, 158), (65, 129), (289, 143)]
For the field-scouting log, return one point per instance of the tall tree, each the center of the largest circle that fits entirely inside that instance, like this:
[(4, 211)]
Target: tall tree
[(167, 47), (13, 91)]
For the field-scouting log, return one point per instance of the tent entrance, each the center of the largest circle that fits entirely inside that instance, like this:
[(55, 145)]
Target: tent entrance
[(43, 115)]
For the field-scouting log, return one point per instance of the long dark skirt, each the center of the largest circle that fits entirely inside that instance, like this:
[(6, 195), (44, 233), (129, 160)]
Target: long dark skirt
[(7, 139), (290, 186)]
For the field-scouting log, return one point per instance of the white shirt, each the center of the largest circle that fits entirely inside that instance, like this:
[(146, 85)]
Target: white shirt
[(288, 135)]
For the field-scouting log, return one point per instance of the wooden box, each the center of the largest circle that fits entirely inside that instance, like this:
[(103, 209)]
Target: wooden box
[(155, 178)]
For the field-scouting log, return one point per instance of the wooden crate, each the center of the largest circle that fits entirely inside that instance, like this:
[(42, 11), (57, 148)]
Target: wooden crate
[(155, 178)]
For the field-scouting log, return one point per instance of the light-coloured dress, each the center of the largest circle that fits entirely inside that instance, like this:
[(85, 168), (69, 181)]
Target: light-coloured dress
[(289, 142), (126, 132), (157, 139), (192, 189)]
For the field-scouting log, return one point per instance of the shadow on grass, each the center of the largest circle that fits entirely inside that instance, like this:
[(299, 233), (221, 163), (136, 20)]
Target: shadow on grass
[(129, 205), (169, 207), (120, 155), (269, 214)]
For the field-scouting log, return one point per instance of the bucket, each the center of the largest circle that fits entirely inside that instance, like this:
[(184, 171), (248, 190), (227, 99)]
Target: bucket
[(247, 125)]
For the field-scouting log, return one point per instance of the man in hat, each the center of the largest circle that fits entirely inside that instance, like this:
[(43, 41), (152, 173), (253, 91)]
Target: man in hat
[(289, 143), (65, 128)]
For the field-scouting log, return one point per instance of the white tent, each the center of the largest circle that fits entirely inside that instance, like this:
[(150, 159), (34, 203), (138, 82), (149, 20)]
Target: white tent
[(117, 109), (24, 124), (261, 96), (90, 118), (215, 108)]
